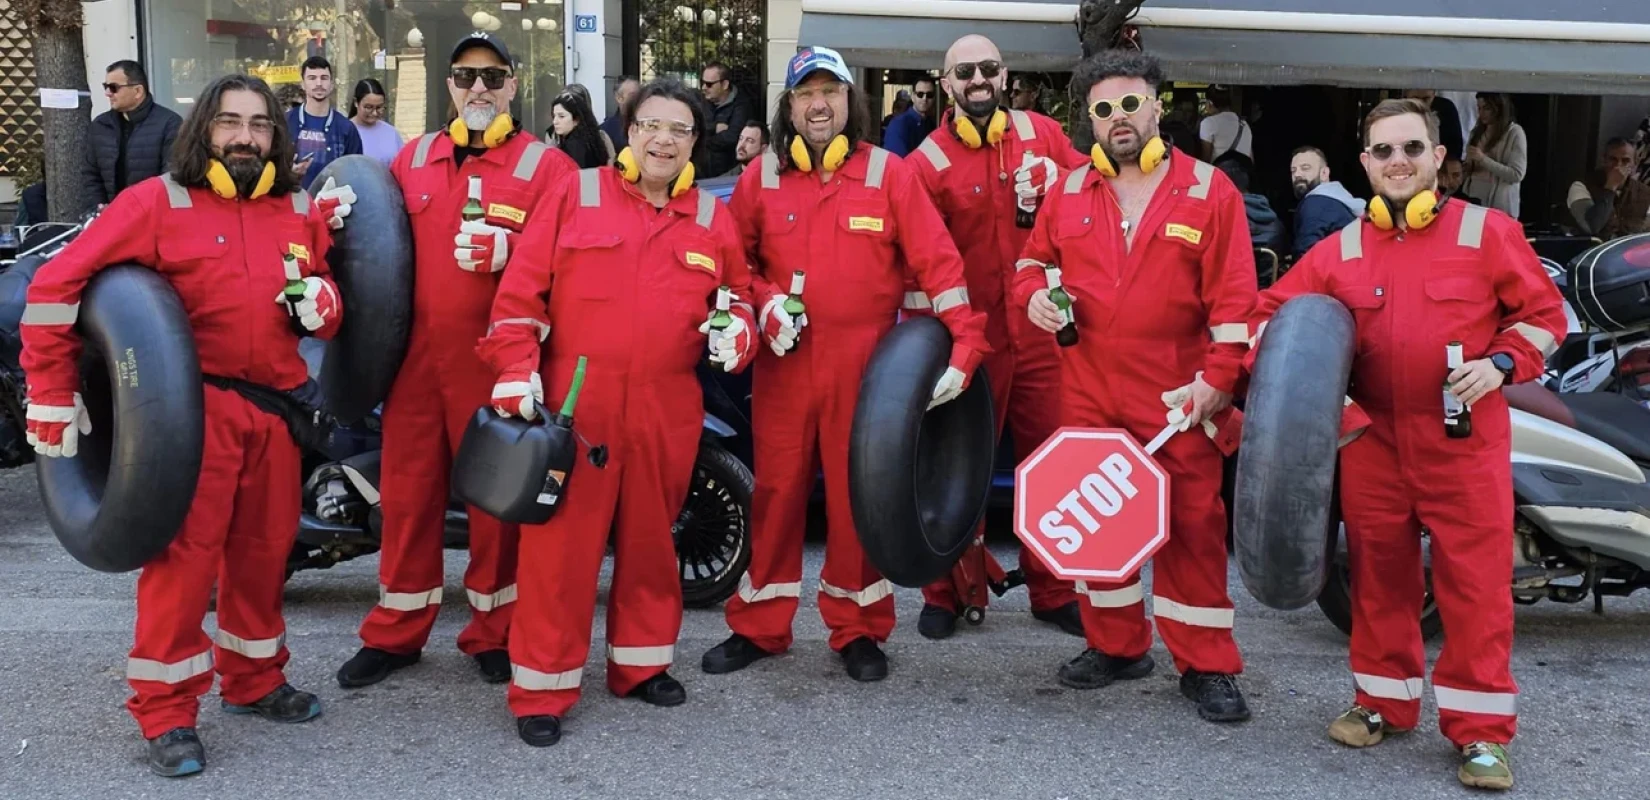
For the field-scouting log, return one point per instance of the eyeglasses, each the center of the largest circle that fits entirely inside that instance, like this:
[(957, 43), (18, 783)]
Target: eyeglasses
[(366, 109), (1412, 148), (491, 77), (987, 69), (230, 123), (656, 126), (1128, 104), (111, 88)]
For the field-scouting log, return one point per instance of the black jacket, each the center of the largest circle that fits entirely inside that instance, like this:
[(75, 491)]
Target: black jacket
[(121, 152), (721, 149)]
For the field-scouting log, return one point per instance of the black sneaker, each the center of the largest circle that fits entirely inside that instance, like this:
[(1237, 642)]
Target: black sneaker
[(864, 661), (936, 622), (370, 665), (494, 665), (285, 704), (661, 690), (732, 655), (1094, 669), (176, 753), (1217, 696), (539, 731), (1068, 617)]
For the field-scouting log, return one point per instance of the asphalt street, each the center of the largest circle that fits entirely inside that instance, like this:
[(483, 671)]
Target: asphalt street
[(978, 716)]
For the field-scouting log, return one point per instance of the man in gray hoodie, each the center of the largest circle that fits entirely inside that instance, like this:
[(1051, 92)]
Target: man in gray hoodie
[(1325, 205)]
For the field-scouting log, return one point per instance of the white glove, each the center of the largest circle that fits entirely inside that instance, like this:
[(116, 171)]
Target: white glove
[(1176, 400), (779, 327), (514, 393), (1032, 182), (481, 247), (335, 202), (43, 424), (950, 385), (728, 344), (320, 304)]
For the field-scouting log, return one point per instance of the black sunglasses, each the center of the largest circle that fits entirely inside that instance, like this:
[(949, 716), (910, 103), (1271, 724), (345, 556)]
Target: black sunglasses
[(922, 95), (1412, 148), (988, 70), (491, 77)]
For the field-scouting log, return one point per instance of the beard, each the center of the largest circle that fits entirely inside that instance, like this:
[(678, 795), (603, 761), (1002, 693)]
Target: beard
[(1120, 153), (978, 109), (245, 165), (477, 119), (1305, 187), (1425, 179)]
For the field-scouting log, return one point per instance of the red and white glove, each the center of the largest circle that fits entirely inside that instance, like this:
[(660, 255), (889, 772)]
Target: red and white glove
[(318, 306), (1353, 422), (779, 328), (515, 392), (729, 346), (481, 247), (1034, 178), (55, 422), (335, 202), (955, 380)]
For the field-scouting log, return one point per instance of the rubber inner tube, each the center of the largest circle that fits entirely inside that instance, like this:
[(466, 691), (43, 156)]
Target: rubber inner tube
[(918, 480), (1286, 461), (121, 500), (372, 260)]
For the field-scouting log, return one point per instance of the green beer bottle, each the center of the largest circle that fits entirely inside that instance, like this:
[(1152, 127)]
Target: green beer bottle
[(294, 292), (1067, 335), (472, 207), (721, 318), (793, 304)]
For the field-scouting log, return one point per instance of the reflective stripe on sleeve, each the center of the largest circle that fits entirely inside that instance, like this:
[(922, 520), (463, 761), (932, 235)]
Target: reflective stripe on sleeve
[(590, 188), (1254, 340), (660, 656), (1112, 598), (935, 155), (1538, 338), (50, 313), (1022, 125), (707, 209), (529, 161), (421, 154), (864, 597), (1472, 227), (1388, 688), (1230, 333), (143, 669), (542, 329), (1204, 172), (408, 601), (915, 301), (487, 602), (950, 298), (534, 681), (879, 164), (176, 195), (251, 648), (773, 591), (1470, 702), (1191, 615), (1026, 263)]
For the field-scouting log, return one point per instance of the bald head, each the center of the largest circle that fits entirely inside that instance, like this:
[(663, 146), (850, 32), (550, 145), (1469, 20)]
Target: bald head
[(975, 78), (971, 48)]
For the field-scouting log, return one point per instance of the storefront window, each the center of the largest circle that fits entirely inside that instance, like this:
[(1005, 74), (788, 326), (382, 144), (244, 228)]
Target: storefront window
[(402, 43)]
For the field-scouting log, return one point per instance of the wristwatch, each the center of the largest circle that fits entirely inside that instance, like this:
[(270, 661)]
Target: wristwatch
[(1503, 362)]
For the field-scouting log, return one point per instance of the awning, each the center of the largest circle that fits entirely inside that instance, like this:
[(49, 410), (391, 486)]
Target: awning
[(1599, 47)]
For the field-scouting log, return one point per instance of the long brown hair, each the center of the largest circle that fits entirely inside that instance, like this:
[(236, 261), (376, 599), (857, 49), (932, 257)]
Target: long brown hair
[(1487, 135), (192, 152), (857, 130)]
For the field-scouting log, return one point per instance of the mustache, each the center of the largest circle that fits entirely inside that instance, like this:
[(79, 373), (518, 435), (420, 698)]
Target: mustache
[(243, 149)]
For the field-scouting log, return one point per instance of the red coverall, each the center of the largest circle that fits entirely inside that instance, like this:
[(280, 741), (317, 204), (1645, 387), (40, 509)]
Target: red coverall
[(1150, 319), (1471, 277), (606, 275), (224, 258), (440, 386), (858, 238), (974, 192)]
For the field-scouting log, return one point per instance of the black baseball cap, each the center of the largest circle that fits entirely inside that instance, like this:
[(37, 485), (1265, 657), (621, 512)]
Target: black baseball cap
[(484, 39)]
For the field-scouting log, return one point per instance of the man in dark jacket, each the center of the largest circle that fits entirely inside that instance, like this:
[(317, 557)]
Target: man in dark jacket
[(1265, 228), (321, 134), (729, 110), (1325, 205), (131, 141)]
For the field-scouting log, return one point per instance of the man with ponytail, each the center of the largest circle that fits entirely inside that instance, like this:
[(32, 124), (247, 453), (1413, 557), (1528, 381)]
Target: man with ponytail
[(230, 229)]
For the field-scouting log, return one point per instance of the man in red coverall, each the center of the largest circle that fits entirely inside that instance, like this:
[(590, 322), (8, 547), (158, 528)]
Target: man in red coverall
[(1416, 279), (217, 228), (1157, 261), (857, 223), (983, 168), (622, 269), (442, 382)]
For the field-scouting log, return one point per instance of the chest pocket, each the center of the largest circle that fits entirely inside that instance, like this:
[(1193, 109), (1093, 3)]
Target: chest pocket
[(866, 219), (507, 207), (1076, 219), (1448, 288), (1367, 302), (693, 276), (588, 267), (185, 255), (1187, 227)]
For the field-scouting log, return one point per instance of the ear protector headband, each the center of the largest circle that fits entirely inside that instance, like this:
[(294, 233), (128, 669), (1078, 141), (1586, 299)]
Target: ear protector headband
[(626, 164), (835, 153), (970, 135), (1419, 212), (217, 176), (1151, 157), (497, 131)]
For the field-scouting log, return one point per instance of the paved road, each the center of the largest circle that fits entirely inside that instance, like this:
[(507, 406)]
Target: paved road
[(978, 716)]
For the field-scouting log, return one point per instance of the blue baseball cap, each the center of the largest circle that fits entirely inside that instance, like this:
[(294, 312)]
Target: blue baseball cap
[(809, 59)]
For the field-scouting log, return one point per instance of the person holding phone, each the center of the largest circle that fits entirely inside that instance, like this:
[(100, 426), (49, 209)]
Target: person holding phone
[(322, 133)]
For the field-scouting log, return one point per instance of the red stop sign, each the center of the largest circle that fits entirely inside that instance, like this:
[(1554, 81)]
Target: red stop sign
[(1092, 504)]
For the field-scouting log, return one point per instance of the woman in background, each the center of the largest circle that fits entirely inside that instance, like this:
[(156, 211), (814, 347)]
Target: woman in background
[(1497, 154), (573, 129), (379, 139)]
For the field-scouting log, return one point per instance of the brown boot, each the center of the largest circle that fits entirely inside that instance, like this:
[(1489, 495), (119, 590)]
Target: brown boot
[(1361, 727)]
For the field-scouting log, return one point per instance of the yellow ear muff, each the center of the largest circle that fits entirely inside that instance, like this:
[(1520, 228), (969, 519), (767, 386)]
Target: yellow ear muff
[(835, 153), (1379, 214), (217, 176), (1151, 157), (1102, 163), (970, 135), (497, 131), (1419, 212), (625, 163)]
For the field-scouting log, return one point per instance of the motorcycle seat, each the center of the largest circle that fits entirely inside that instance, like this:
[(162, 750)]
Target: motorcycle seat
[(1614, 419)]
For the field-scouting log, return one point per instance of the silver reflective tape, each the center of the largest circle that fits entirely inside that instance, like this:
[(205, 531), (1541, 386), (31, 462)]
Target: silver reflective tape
[(590, 188), (1255, 340), (660, 656), (1538, 338), (707, 209), (915, 301), (1022, 125), (1204, 172), (935, 155), (176, 195), (1352, 241), (143, 669), (770, 170), (50, 313), (1074, 181), (408, 601), (1164, 608), (864, 597), (488, 602), (251, 648), (773, 591), (300, 202), (950, 298), (534, 681), (1388, 688), (529, 161), (1472, 227), (422, 152), (1497, 703), (541, 328), (1112, 598), (1230, 333), (1027, 263), (879, 164)]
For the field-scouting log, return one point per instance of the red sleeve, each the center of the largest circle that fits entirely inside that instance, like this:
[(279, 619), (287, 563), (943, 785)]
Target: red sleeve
[(1306, 277), (746, 206), (1532, 320), (916, 301), (1228, 287), (1063, 152), (932, 259), (125, 231), (520, 320), (320, 241), (736, 274), (1038, 252)]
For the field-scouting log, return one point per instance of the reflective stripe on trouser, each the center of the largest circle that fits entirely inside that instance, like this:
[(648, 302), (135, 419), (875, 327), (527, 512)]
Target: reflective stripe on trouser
[(1033, 417), (237, 536), (1189, 600), (1470, 519), (425, 416), (802, 410), (637, 498)]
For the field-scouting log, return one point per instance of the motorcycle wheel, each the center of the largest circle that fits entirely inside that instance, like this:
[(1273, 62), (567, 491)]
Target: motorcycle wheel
[(713, 532), (1336, 598)]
